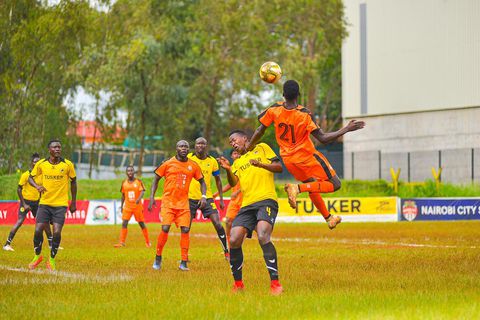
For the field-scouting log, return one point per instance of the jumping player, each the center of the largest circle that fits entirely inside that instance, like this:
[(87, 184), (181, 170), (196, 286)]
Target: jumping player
[(29, 198), (178, 172), (254, 170), (55, 173), (235, 199), (293, 126), (132, 193), (209, 167)]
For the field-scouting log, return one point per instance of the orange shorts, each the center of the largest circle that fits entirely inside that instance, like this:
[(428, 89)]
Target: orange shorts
[(181, 217), (316, 167), (232, 209), (136, 212)]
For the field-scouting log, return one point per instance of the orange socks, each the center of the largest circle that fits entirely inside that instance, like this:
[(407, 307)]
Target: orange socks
[(145, 235), (316, 186), (184, 245), (123, 235), (319, 204), (162, 239)]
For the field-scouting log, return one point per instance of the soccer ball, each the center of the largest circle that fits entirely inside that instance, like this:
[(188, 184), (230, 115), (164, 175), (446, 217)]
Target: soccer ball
[(270, 72)]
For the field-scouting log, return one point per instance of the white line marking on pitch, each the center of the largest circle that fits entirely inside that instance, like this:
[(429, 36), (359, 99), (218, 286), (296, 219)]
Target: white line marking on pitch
[(60, 276), (367, 242)]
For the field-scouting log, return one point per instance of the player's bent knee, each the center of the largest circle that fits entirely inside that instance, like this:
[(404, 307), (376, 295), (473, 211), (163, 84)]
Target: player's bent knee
[(263, 238), (337, 184), (166, 229)]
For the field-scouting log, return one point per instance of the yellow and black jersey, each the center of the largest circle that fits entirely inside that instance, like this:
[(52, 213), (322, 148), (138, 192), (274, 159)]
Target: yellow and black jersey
[(28, 191), (256, 183), (55, 179), (209, 167)]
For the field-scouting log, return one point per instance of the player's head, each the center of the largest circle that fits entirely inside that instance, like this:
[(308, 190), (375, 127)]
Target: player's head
[(130, 170), (201, 146), (234, 154), (55, 148), (182, 148), (238, 139), (35, 157), (291, 90)]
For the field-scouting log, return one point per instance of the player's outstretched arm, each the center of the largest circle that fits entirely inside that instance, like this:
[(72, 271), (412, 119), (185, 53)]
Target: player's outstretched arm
[(40, 188), (142, 193), (225, 189), (329, 137), (151, 203), (23, 204), (218, 182), (257, 135), (275, 166), (73, 190), (225, 164), (203, 187)]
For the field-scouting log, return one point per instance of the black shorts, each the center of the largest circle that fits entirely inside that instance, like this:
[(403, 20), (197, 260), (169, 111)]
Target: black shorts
[(32, 204), (248, 217), (48, 214), (209, 209)]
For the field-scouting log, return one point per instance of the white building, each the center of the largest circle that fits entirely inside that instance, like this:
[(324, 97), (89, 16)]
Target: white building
[(411, 70)]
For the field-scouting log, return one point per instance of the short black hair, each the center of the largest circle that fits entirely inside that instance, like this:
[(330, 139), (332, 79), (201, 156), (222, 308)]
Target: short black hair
[(241, 132), (291, 89), (130, 166), (52, 141), (35, 155)]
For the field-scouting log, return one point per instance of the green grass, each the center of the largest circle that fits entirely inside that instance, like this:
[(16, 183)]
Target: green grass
[(109, 189), (358, 271)]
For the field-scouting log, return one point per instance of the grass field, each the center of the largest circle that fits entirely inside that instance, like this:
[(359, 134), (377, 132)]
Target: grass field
[(418, 270)]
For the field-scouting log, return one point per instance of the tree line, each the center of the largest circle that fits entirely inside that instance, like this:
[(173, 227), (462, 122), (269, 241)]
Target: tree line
[(178, 69)]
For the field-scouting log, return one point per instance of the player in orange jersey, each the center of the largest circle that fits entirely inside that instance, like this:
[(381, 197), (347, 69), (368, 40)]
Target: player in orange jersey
[(235, 199), (178, 172), (132, 193), (293, 125)]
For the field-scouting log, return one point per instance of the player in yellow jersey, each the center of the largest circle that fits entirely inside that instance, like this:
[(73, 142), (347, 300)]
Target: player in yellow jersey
[(235, 199), (209, 167), (254, 170), (56, 174), (29, 198)]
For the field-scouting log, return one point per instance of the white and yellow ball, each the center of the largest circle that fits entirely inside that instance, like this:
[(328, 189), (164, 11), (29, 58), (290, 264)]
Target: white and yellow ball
[(270, 72)]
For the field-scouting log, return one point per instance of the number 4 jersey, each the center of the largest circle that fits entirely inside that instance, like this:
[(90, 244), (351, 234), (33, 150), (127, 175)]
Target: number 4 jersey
[(292, 130)]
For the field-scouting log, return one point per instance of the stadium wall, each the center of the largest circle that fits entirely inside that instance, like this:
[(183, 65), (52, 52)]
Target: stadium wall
[(411, 71)]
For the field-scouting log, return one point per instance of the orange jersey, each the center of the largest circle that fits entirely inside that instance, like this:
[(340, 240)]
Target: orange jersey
[(292, 129), (131, 191), (238, 199), (177, 175)]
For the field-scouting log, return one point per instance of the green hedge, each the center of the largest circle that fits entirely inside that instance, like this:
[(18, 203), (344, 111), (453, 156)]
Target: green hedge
[(110, 189)]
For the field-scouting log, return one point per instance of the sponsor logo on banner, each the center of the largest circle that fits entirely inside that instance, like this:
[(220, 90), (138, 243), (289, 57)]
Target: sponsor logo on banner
[(101, 212), (341, 206), (351, 209), (409, 210), (441, 209)]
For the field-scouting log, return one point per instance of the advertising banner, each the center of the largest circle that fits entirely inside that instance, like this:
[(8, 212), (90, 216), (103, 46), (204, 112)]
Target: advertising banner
[(9, 213), (440, 209), (351, 209)]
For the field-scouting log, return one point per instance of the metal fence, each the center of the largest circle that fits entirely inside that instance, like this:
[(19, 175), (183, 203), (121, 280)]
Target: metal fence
[(459, 166), (111, 164)]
